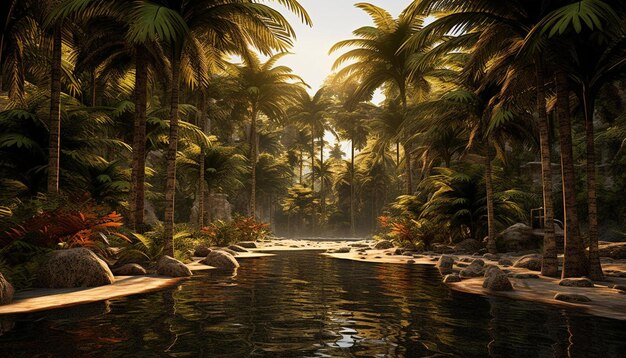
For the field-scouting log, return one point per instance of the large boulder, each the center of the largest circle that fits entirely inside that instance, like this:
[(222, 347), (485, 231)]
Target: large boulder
[(517, 237), (468, 246), (248, 244), (474, 269), (169, 266), (531, 262), (129, 270), (383, 245), (6, 291), (496, 280), (77, 267), (201, 251), (220, 259), (445, 264), (613, 250)]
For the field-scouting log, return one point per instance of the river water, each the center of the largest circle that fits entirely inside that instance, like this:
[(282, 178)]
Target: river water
[(302, 304)]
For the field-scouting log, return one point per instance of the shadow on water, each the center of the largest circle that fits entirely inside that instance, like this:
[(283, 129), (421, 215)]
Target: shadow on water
[(302, 304)]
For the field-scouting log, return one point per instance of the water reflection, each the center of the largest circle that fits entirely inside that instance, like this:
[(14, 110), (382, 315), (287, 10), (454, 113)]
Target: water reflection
[(301, 304)]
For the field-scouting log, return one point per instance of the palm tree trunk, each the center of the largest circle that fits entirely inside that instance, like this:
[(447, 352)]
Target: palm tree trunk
[(322, 194), (595, 268), (491, 227), (54, 123), (313, 163), (170, 186), (574, 261), (549, 264), (301, 165), (139, 140), (409, 175), (352, 213), (202, 185), (253, 159)]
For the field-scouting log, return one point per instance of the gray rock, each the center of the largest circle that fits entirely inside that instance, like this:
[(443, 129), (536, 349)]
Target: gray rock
[(129, 270), (6, 291), (496, 280), (343, 250), (523, 275), (383, 245), (220, 259), (399, 251), (474, 269), (248, 244), (201, 251), (517, 237), (169, 266), (238, 248), (505, 262), (442, 248), (576, 282), (445, 264), (571, 297), (531, 262), (225, 249), (468, 246), (489, 256), (451, 278), (77, 267)]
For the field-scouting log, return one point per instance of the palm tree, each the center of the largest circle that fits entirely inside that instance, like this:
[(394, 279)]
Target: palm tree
[(265, 89)]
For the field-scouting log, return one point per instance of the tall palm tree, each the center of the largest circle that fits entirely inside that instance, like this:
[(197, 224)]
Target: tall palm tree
[(265, 89)]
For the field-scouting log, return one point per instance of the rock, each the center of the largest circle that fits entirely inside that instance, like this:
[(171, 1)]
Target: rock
[(399, 251), (531, 262), (410, 261), (248, 244), (388, 253), (377, 257), (571, 297), (77, 267), (129, 270), (201, 251), (576, 282), (237, 248), (442, 249), (6, 291), (169, 266), (445, 264), (468, 246), (474, 269), (621, 288), (613, 250), (359, 245), (467, 259), (220, 259), (343, 250), (383, 245), (517, 237), (492, 257), (523, 275), (505, 262), (462, 264), (496, 280), (451, 278), (225, 249)]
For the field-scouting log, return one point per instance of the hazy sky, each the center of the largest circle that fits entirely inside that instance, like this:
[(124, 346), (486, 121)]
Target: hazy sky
[(333, 21)]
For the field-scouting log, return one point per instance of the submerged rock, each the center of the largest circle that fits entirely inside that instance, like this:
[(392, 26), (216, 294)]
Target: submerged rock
[(6, 291), (451, 278), (531, 262), (169, 266), (129, 270), (571, 297), (383, 245), (220, 259), (496, 280), (445, 264), (237, 248), (201, 251), (576, 282), (248, 244), (77, 267)]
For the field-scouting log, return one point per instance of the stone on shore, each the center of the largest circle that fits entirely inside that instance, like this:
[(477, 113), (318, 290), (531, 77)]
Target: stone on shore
[(451, 278), (383, 245), (505, 262), (78, 267), (201, 251), (445, 264), (474, 269), (496, 280), (343, 250), (576, 282), (517, 237), (220, 259), (571, 297), (225, 249), (129, 270), (467, 246), (6, 291), (247, 244), (169, 266), (531, 262), (238, 248)]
